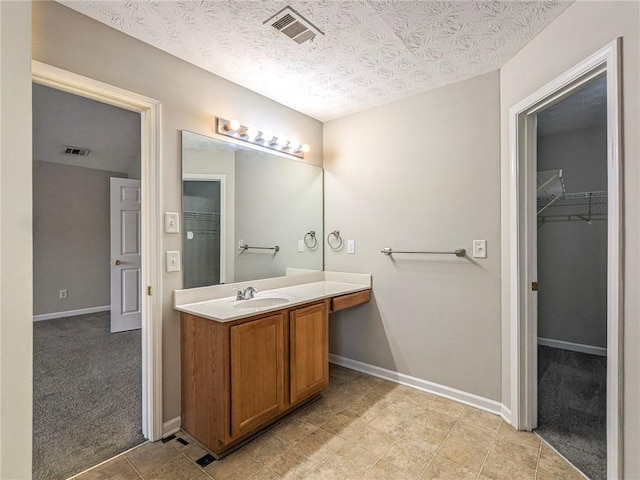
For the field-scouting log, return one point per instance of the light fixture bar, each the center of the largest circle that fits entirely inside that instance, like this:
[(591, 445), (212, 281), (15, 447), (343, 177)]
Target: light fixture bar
[(261, 137)]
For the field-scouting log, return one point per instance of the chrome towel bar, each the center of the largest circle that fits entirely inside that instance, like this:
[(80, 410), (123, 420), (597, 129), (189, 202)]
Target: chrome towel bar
[(247, 247), (458, 252)]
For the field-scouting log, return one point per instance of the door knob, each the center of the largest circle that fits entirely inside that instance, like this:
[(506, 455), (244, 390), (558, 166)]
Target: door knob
[(117, 262)]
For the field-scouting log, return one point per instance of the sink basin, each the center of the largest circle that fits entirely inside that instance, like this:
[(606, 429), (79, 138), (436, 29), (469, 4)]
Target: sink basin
[(262, 302)]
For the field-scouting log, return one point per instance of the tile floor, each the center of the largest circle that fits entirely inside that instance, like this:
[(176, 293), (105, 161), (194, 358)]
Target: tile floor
[(362, 428)]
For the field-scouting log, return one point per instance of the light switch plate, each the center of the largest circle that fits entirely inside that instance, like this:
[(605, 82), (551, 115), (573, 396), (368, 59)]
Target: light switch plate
[(479, 249), (171, 222), (351, 246), (173, 261), (301, 245)]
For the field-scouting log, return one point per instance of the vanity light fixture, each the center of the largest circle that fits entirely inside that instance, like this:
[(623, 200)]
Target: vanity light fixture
[(263, 138), (252, 133)]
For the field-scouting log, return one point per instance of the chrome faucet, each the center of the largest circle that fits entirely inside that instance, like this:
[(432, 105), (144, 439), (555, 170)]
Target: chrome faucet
[(248, 293)]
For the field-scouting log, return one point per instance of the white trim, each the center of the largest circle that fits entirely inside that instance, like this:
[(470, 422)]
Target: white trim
[(151, 237), (171, 427), (214, 177), (522, 242), (574, 347), (505, 413), (70, 313), (460, 396)]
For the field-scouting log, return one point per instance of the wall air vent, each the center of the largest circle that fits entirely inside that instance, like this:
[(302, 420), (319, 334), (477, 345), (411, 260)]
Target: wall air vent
[(294, 25), (68, 150)]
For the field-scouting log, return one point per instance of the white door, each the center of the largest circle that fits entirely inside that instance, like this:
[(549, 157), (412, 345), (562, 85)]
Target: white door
[(126, 288)]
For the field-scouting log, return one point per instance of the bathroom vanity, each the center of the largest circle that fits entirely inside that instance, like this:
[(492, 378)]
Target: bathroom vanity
[(247, 363)]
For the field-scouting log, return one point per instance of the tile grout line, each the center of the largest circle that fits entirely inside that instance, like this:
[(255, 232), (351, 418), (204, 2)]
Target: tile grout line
[(109, 460), (535, 473), (396, 440), (443, 442), (132, 466), (493, 442), (192, 460), (544, 442), (426, 407), (378, 457)]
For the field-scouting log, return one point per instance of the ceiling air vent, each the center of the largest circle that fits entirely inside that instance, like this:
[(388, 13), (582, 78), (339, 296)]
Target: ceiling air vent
[(68, 150), (294, 25)]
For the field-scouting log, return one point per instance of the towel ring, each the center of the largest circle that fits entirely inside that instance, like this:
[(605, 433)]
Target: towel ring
[(310, 239), (336, 234)]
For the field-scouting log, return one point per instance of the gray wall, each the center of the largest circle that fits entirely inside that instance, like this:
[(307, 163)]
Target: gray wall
[(572, 255), (190, 99), (277, 202), (432, 184), (111, 133), (70, 237), (578, 32)]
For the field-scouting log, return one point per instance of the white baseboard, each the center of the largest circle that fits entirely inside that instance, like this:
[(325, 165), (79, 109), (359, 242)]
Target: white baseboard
[(470, 399), (70, 313), (171, 427), (574, 347), (505, 413)]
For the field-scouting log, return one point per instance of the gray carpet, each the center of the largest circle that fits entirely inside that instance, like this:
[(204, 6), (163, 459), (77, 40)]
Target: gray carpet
[(87, 404), (572, 407)]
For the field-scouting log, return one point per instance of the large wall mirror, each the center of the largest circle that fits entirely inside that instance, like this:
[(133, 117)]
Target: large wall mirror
[(247, 214)]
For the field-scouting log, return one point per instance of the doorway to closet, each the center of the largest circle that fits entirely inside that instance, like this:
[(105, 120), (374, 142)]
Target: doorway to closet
[(87, 380), (203, 211), (525, 285), (571, 209)]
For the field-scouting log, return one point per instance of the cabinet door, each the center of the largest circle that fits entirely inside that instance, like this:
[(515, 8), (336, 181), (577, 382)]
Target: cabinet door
[(309, 351), (257, 372)]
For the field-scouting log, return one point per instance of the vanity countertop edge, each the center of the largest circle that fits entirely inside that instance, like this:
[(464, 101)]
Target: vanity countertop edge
[(218, 303)]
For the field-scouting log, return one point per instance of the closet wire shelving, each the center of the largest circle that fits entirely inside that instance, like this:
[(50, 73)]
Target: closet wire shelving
[(202, 223), (555, 204)]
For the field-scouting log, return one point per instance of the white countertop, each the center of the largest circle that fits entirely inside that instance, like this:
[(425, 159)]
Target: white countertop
[(217, 304)]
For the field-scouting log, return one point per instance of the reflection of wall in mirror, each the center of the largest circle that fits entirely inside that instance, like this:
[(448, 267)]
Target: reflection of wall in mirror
[(278, 201), (200, 159)]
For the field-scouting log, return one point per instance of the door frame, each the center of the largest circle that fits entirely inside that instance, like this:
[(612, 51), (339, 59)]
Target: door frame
[(523, 246), (214, 177), (151, 233)]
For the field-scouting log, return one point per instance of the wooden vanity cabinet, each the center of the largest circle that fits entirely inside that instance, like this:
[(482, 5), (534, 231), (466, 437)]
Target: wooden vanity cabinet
[(257, 373), (308, 351), (240, 376)]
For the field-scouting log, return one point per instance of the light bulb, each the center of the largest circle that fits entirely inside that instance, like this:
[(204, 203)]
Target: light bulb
[(305, 148), (282, 141), (267, 136), (251, 132), (294, 145), (234, 125)]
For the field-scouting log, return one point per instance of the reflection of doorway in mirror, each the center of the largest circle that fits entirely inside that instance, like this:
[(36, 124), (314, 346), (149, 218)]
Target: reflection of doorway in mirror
[(203, 237)]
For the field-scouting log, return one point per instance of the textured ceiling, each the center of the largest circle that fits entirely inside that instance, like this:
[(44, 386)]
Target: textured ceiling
[(372, 52), (111, 133), (583, 109)]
